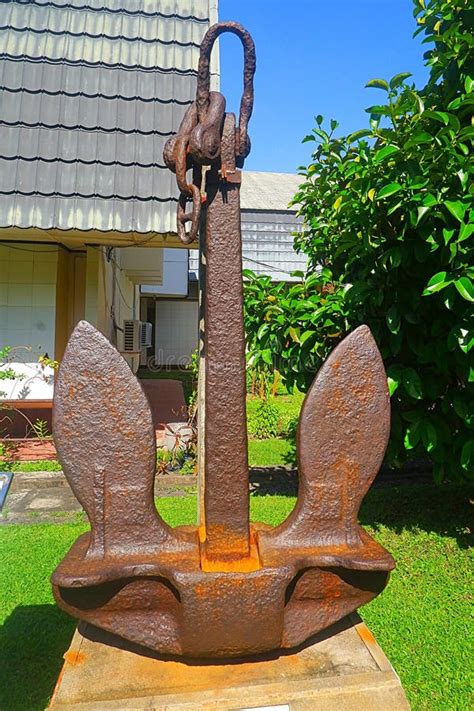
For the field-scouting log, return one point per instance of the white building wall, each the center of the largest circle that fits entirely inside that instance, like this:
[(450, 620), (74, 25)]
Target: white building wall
[(176, 332), (110, 295), (175, 275), (27, 316)]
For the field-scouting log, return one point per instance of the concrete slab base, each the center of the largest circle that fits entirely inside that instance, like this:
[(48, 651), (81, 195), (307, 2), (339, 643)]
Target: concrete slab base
[(343, 669)]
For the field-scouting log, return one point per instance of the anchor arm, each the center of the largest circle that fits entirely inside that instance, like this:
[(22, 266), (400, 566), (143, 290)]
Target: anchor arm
[(105, 440)]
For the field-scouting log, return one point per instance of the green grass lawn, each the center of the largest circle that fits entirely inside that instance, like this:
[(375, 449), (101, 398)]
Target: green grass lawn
[(275, 451), (39, 465), (270, 452), (421, 620)]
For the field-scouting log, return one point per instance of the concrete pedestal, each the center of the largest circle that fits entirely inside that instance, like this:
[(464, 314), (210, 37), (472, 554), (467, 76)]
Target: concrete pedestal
[(341, 669)]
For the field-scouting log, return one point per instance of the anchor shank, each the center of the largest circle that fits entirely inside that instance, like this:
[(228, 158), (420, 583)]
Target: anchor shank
[(226, 488)]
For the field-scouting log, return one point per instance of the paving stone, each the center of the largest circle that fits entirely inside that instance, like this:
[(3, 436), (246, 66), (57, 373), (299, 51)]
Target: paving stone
[(47, 502)]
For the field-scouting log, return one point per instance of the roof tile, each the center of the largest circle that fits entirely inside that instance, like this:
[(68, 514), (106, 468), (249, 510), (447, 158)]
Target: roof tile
[(90, 90)]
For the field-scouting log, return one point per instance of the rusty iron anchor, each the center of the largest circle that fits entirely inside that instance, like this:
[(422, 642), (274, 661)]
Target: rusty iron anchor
[(222, 588)]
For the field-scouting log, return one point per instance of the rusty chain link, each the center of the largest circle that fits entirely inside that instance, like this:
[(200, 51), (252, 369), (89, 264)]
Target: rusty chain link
[(199, 137)]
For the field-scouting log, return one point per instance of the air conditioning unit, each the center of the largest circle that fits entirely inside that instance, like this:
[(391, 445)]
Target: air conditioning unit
[(145, 334), (136, 335)]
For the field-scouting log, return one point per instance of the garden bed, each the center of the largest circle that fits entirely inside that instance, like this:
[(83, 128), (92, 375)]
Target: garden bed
[(27, 449)]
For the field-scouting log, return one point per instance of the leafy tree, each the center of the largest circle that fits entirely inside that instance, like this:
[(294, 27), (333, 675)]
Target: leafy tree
[(292, 327), (388, 215)]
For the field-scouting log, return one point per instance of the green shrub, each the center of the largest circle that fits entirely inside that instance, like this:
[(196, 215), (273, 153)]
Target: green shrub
[(263, 421), (179, 461), (167, 460), (291, 327), (189, 466), (388, 234)]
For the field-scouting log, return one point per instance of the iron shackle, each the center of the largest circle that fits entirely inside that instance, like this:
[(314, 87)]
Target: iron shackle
[(204, 81)]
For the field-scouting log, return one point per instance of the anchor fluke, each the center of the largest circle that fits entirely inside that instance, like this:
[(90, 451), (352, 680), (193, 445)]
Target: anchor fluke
[(105, 440), (341, 441)]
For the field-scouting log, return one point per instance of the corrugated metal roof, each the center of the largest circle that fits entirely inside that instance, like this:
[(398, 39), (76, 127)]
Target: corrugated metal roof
[(268, 191), (268, 226), (267, 244), (90, 90)]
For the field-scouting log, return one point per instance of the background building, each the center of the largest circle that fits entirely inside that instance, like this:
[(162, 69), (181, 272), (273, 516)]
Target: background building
[(268, 226), (89, 94)]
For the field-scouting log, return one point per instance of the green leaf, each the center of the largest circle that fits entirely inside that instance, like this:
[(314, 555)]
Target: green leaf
[(394, 378), (249, 274), (377, 84), (463, 177), (412, 383), (438, 472), (295, 336), (467, 454), (393, 319), (398, 79), (465, 231), (388, 190), (395, 207), (418, 182), (266, 356), (429, 200), (466, 340), (465, 287), (467, 132), (378, 110), (441, 116), (429, 436), (421, 212), (447, 234), (310, 137), (460, 406), (436, 283), (417, 138), (395, 256), (305, 335), (363, 133), (384, 153), (412, 436), (392, 385), (456, 208)]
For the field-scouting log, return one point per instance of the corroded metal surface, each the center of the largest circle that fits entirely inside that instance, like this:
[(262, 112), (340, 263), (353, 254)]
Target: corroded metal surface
[(224, 588), (199, 138)]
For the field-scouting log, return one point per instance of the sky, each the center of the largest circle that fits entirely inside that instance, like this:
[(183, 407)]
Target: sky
[(314, 57)]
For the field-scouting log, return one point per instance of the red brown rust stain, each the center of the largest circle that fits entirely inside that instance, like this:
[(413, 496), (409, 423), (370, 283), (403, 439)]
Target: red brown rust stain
[(366, 635), (74, 658), (58, 684)]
